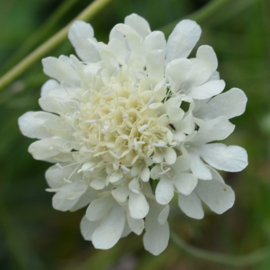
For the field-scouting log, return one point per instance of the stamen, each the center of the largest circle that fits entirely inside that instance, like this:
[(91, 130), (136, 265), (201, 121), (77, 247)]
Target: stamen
[(114, 155), (142, 128), (165, 171), (135, 144), (125, 168), (159, 145), (108, 92), (150, 101), (91, 121)]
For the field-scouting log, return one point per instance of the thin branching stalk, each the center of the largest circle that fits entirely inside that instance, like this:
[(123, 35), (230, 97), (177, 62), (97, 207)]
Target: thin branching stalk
[(230, 260), (50, 44)]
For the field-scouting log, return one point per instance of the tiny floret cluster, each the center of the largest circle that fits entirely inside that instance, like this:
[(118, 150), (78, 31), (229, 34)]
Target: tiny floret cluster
[(132, 124)]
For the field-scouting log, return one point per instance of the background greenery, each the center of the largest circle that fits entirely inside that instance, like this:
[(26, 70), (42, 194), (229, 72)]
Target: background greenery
[(35, 236)]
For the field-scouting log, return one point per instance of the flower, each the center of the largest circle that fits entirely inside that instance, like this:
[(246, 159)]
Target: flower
[(122, 142)]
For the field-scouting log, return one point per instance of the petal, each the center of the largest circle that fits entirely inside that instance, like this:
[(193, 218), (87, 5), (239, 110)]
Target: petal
[(230, 104), (119, 49), (182, 40), (164, 191), (218, 196), (170, 155), (191, 205), (197, 166), (203, 66), (227, 158), (163, 216), (138, 205), (155, 41), (32, 124), (99, 208), (145, 174), (56, 174), (139, 24), (88, 227), (80, 35), (60, 71), (207, 90), (136, 225), (68, 196), (185, 183), (121, 193), (110, 229), (155, 65), (84, 200), (50, 147), (214, 130), (175, 77), (47, 86), (156, 236)]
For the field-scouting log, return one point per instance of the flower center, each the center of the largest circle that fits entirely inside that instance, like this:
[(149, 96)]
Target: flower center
[(116, 123)]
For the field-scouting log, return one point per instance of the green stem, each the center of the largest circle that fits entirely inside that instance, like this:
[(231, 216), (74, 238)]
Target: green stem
[(39, 35), (50, 44), (230, 260), (199, 15)]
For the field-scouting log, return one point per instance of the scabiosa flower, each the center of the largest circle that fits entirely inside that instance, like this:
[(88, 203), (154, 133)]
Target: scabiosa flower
[(123, 145)]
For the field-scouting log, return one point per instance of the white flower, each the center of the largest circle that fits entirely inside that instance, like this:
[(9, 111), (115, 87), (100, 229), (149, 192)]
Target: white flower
[(114, 119)]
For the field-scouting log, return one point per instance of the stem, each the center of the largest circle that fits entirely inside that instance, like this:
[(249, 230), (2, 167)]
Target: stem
[(199, 15), (230, 260), (50, 44), (38, 35)]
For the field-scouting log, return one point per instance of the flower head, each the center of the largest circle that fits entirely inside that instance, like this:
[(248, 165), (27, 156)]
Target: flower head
[(122, 142)]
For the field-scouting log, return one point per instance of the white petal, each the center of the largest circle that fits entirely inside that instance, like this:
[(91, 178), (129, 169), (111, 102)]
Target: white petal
[(126, 231), (136, 225), (110, 229), (84, 200), (47, 86), (228, 158), (32, 124), (203, 66), (134, 185), (50, 147), (163, 216), (155, 41), (218, 196), (170, 155), (55, 175), (185, 183), (145, 174), (229, 104), (121, 193), (182, 40), (119, 49), (214, 130), (155, 65), (197, 166), (139, 24), (182, 163), (164, 191), (98, 184), (207, 90), (88, 227), (99, 208), (138, 205), (68, 196), (80, 35), (156, 237), (60, 71), (175, 77), (191, 205)]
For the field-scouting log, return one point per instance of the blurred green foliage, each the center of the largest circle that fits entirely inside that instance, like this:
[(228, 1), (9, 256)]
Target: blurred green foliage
[(35, 236)]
